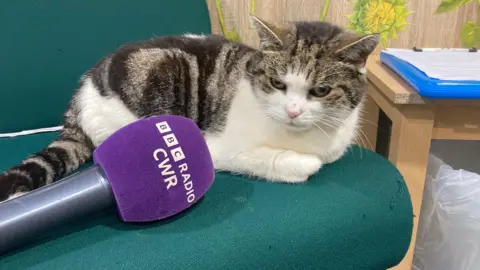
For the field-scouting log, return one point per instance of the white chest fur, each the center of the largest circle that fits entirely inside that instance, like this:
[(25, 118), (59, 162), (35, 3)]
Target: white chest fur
[(248, 128)]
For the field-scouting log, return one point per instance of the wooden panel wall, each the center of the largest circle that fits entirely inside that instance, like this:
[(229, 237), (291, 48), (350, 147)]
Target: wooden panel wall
[(426, 28)]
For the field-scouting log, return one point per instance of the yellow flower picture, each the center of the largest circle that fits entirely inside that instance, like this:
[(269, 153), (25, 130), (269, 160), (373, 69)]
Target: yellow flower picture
[(383, 17)]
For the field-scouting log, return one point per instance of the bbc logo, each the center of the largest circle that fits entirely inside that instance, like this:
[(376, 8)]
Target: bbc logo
[(171, 141)]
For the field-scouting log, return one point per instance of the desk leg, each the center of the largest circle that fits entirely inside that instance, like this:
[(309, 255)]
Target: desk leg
[(409, 149)]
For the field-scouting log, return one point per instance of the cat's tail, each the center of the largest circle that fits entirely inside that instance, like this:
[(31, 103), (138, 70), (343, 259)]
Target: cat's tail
[(66, 153)]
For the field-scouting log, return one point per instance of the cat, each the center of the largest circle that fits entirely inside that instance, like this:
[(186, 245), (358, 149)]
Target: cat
[(278, 113)]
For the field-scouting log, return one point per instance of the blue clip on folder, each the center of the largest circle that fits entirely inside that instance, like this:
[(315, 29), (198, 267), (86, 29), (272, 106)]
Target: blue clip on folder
[(431, 87)]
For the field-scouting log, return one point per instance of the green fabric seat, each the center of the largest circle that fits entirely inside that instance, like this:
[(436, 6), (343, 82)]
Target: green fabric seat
[(355, 214)]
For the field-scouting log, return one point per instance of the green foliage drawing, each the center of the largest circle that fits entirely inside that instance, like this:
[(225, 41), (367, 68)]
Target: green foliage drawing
[(233, 34), (325, 9), (470, 34), (383, 17), (449, 5)]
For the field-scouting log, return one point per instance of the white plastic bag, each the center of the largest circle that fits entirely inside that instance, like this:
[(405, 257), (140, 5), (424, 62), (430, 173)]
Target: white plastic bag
[(449, 225)]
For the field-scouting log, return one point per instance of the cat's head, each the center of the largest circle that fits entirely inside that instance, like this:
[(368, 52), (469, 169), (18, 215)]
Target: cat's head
[(308, 73)]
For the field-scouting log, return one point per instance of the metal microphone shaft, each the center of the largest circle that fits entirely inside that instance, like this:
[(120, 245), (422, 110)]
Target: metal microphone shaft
[(32, 214), (149, 170)]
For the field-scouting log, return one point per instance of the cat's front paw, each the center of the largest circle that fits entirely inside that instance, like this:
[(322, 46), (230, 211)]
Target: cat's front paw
[(293, 167)]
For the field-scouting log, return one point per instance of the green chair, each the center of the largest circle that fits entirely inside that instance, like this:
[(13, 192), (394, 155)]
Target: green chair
[(354, 214)]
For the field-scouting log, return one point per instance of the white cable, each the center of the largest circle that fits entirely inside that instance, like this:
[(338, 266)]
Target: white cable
[(29, 132)]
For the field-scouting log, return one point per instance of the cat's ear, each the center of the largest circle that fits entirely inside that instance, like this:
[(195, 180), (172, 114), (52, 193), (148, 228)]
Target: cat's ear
[(273, 37), (353, 48)]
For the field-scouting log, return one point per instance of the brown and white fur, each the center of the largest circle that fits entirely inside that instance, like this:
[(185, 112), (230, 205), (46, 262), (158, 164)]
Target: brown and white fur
[(277, 113)]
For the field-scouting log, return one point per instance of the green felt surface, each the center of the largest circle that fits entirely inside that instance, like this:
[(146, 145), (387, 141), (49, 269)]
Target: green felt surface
[(354, 214), (46, 45)]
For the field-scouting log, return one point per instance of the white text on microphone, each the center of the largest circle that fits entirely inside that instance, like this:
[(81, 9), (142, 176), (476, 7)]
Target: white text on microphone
[(161, 155)]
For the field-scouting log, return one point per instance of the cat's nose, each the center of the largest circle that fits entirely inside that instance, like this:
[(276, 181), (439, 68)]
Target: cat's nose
[(293, 110), (293, 113)]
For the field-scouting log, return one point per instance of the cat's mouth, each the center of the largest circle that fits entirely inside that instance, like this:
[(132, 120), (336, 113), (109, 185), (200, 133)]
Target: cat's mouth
[(296, 126), (291, 124)]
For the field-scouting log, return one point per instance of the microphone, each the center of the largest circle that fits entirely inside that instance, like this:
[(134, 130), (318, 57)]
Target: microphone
[(150, 169)]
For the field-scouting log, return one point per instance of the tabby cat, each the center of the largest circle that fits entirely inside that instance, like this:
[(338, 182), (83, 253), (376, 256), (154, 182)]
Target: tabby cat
[(277, 113)]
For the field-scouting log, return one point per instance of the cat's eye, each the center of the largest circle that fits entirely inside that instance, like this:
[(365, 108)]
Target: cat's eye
[(320, 91), (278, 84)]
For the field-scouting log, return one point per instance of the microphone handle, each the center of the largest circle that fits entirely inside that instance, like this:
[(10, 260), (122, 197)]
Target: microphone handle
[(28, 216)]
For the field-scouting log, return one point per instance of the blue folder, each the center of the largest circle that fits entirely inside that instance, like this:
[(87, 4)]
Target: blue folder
[(431, 87)]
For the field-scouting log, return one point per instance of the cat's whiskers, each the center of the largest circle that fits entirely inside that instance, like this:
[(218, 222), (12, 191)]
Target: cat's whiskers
[(321, 129), (336, 119), (328, 124), (359, 135), (362, 136), (334, 126), (326, 121)]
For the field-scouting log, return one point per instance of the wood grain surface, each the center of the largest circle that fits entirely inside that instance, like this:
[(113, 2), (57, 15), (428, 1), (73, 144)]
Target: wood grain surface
[(425, 30)]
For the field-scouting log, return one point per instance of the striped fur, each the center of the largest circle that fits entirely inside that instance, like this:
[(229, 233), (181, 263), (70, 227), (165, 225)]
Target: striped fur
[(229, 90)]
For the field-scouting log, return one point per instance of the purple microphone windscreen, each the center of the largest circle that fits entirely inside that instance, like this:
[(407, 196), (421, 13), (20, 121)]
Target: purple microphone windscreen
[(156, 166)]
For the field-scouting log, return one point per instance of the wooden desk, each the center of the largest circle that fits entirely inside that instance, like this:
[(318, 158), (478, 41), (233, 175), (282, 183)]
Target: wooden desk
[(415, 121)]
